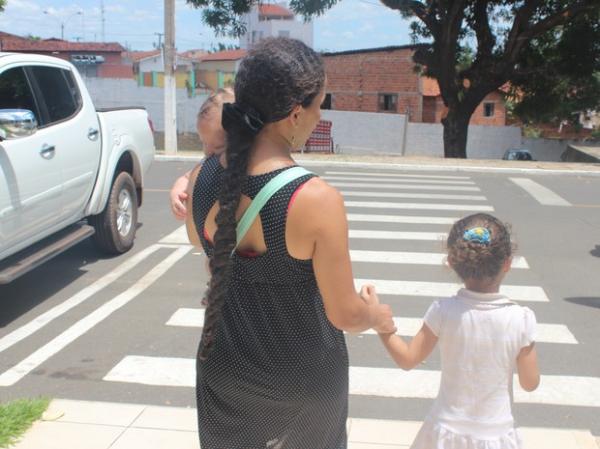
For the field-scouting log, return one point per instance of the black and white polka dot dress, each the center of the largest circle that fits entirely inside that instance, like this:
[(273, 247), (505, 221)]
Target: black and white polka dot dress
[(277, 377)]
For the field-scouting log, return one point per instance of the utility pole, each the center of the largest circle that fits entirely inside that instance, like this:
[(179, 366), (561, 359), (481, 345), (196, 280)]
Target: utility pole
[(170, 84), (103, 19), (160, 35)]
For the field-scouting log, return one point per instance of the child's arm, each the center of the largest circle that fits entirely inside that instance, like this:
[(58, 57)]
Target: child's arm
[(192, 232), (527, 367), (409, 355), (406, 356)]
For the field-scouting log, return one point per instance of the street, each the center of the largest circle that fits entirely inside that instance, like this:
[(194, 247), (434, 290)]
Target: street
[(126, 329)]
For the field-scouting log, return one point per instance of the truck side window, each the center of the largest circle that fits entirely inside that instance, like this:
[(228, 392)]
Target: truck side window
[(15, 92), (59, 92)]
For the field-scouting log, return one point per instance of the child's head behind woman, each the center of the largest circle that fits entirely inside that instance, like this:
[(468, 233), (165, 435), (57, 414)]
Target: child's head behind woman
[(479, 250), (208, 123)]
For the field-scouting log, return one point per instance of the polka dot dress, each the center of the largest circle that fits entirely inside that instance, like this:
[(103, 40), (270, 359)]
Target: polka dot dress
[(277, 377)]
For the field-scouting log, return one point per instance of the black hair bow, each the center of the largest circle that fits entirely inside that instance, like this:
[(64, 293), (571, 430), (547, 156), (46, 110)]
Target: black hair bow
[(235, 114)]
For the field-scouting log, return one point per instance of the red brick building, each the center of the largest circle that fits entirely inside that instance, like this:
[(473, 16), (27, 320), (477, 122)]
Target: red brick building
[(384, 80), (99, 59)]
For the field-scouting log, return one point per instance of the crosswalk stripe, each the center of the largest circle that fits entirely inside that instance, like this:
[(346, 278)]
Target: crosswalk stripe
[(418, 258), (542, 194), (395, 235), (84, 294), (407, 181), (575, 391), (178, 236), (401, 219), (447, 289), (423, 206), (425, 196), (545, 333), (395, 175), (364, 185), (21, 369)]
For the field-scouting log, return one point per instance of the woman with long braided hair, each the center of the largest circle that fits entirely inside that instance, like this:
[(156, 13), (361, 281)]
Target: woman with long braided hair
[(272, 367)]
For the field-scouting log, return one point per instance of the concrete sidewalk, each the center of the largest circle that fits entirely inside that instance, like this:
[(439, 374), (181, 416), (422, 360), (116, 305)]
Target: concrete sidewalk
[(419, 163), (102, 425)]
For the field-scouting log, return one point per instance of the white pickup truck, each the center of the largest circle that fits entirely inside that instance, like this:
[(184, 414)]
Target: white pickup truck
[(67, 170)]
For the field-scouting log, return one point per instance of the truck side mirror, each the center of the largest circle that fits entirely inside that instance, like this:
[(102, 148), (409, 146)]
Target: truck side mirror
[(15, 123)]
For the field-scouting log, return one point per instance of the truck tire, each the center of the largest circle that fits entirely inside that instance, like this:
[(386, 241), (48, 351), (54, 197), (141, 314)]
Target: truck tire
[(116, 225)]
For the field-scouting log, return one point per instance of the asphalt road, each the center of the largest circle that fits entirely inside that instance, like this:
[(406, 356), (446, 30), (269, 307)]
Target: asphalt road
[(92, 328)]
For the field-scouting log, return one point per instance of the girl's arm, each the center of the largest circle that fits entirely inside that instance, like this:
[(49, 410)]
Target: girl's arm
[(527, 367), (178, 196), (409, 355), (406, 355), (190, 226)]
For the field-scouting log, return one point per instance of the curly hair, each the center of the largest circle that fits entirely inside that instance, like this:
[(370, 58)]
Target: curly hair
[(275, 77), (475, 260)]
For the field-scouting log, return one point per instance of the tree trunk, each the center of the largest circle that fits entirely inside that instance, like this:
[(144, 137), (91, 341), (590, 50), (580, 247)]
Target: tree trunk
[(456, 128)]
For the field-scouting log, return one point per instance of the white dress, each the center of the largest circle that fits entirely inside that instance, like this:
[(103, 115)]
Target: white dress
[(480, 336)]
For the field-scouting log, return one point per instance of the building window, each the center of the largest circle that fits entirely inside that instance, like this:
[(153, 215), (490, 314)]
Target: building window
[(488, 109), (284, 33), (326, 102), (388, 102)]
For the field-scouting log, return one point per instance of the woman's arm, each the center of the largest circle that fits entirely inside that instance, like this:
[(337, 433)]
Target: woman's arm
[(324, 220)]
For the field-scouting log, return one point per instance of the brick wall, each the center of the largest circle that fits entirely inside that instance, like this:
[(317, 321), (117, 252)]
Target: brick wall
[(434, 111), (355, 81)]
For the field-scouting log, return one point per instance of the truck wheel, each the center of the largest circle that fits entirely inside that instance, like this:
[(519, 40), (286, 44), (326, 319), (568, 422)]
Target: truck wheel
[(116, 224)]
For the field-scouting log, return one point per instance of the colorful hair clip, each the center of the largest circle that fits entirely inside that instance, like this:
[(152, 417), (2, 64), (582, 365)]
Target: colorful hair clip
[(478, 235)]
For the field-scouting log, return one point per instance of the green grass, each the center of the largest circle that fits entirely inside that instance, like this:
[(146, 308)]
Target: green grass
[(17, 416)]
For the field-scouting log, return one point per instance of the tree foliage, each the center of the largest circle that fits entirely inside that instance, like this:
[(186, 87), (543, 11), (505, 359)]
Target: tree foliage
[(476, 47)]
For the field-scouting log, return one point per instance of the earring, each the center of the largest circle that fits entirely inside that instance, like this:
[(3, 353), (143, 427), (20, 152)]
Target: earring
[(293, 140)]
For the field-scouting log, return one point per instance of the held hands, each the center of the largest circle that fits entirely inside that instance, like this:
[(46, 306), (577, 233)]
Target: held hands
[(178, 197), (383, 322)]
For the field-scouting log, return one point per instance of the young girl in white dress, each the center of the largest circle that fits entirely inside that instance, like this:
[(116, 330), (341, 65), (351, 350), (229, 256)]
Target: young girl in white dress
[(483, 337)]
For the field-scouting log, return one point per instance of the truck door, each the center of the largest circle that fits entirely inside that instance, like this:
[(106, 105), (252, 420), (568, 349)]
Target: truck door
[(73, 120), (30, 172)]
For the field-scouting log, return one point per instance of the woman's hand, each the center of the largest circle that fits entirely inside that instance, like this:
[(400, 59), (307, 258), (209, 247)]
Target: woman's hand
[(179, 196), (383, 317)]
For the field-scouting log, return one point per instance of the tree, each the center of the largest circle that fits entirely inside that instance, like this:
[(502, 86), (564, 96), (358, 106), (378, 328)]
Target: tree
[(2, 5), (222, 47), (501, 33), (568, 81)]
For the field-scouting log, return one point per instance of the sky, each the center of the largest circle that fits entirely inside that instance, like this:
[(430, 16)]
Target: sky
[(351, 24)]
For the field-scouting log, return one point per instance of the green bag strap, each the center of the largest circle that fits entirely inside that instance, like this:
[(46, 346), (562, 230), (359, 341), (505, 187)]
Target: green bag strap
[(265, 194)]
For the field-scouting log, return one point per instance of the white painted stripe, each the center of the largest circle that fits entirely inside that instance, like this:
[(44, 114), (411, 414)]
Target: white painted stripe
[(405, 186), (17, 372), (423, 206), (545, 333), (407, 181), (417, 258), (425, 196), (448, 289), (395, 235), (401, 219), (542, 194), (574, 391), (396, 175), (178, 237), (37, 323), (186, 317)]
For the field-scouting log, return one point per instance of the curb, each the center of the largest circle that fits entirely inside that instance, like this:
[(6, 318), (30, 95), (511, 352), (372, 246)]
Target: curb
[(415, 166)]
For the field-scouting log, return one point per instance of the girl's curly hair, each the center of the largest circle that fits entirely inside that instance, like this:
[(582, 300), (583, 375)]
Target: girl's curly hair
[(474, 260)]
